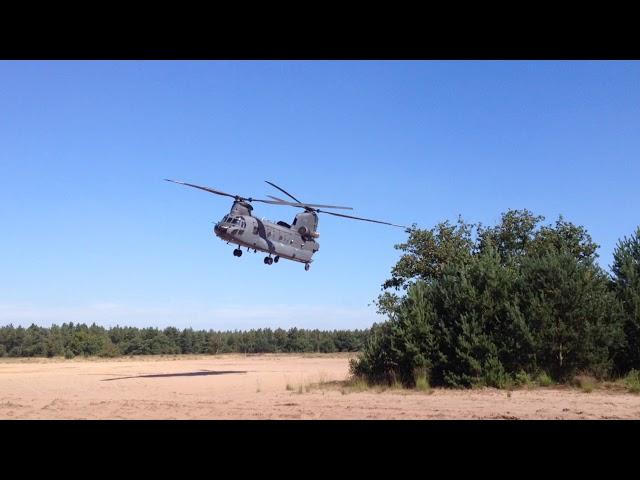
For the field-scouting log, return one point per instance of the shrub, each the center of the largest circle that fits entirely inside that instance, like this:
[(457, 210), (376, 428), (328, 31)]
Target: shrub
[(494, 374)]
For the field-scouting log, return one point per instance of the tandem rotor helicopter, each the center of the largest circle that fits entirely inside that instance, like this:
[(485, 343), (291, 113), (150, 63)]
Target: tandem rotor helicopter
[(296, 242)]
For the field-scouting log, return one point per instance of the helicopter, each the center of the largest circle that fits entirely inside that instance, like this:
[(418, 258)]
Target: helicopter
[(296, 241)]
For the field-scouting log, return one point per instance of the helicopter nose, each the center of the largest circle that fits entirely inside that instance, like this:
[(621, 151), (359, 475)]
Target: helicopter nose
[(220, 229)]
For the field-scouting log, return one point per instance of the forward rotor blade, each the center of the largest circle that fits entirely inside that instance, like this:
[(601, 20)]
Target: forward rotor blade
[(283, 191), (364, 219), (218, 192), (303, 205), (206, 189)]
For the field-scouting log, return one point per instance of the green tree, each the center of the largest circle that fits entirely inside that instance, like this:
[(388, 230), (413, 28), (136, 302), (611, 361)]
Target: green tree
[(513, 236), (574, 317), (626, 278), (109, 349), (426, 254)]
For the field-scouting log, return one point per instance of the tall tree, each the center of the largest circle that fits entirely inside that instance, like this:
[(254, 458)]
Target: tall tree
[(626, 277)]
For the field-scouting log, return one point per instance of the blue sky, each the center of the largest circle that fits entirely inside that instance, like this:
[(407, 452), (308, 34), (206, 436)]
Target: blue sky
[(92, 233)]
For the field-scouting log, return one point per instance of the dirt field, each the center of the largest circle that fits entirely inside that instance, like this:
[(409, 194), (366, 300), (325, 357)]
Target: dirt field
[(263, 387)]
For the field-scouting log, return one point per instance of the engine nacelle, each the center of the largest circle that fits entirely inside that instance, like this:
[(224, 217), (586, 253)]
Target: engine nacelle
[(305, 232), (306, 224)]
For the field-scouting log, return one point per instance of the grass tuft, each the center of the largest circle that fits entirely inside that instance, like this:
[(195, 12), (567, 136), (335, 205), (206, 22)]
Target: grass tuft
[(422, 380), (522, 379)]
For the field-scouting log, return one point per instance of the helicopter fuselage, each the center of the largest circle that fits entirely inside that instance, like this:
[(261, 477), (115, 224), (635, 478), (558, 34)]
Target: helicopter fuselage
[(279, 239)]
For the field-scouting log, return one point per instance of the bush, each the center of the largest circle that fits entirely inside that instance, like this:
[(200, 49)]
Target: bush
[(518, 298), (495, 375), (586, 383), (69, 355)]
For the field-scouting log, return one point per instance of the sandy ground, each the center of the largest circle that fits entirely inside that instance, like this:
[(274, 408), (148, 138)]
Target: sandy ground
[(263, 387)]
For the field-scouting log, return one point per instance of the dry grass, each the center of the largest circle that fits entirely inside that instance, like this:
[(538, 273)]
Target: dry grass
[(360, 385)]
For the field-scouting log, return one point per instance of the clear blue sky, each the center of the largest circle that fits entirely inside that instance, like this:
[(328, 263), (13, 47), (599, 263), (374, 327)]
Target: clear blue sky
[(90, 232)]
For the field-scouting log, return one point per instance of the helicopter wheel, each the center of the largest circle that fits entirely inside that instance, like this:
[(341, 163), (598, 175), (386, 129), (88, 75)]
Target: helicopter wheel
[(237, 252), (268, 260), (275, 260), (306, 267)]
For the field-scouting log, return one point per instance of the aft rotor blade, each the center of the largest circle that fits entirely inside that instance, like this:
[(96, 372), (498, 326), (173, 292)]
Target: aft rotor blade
[(283, 191), (303, 205), (359, 218), (218, 192), (278, 199)]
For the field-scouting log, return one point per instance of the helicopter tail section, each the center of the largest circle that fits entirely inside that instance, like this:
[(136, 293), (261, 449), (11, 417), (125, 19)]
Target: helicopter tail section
[(306, 224)]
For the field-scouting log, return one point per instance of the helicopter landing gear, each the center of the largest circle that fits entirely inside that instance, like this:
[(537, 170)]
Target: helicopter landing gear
[(275, 260), (237, 252), (307, 267), (268, 260)]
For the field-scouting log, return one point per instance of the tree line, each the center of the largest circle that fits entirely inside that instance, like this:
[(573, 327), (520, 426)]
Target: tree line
[(70, 340), (470, 305)]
